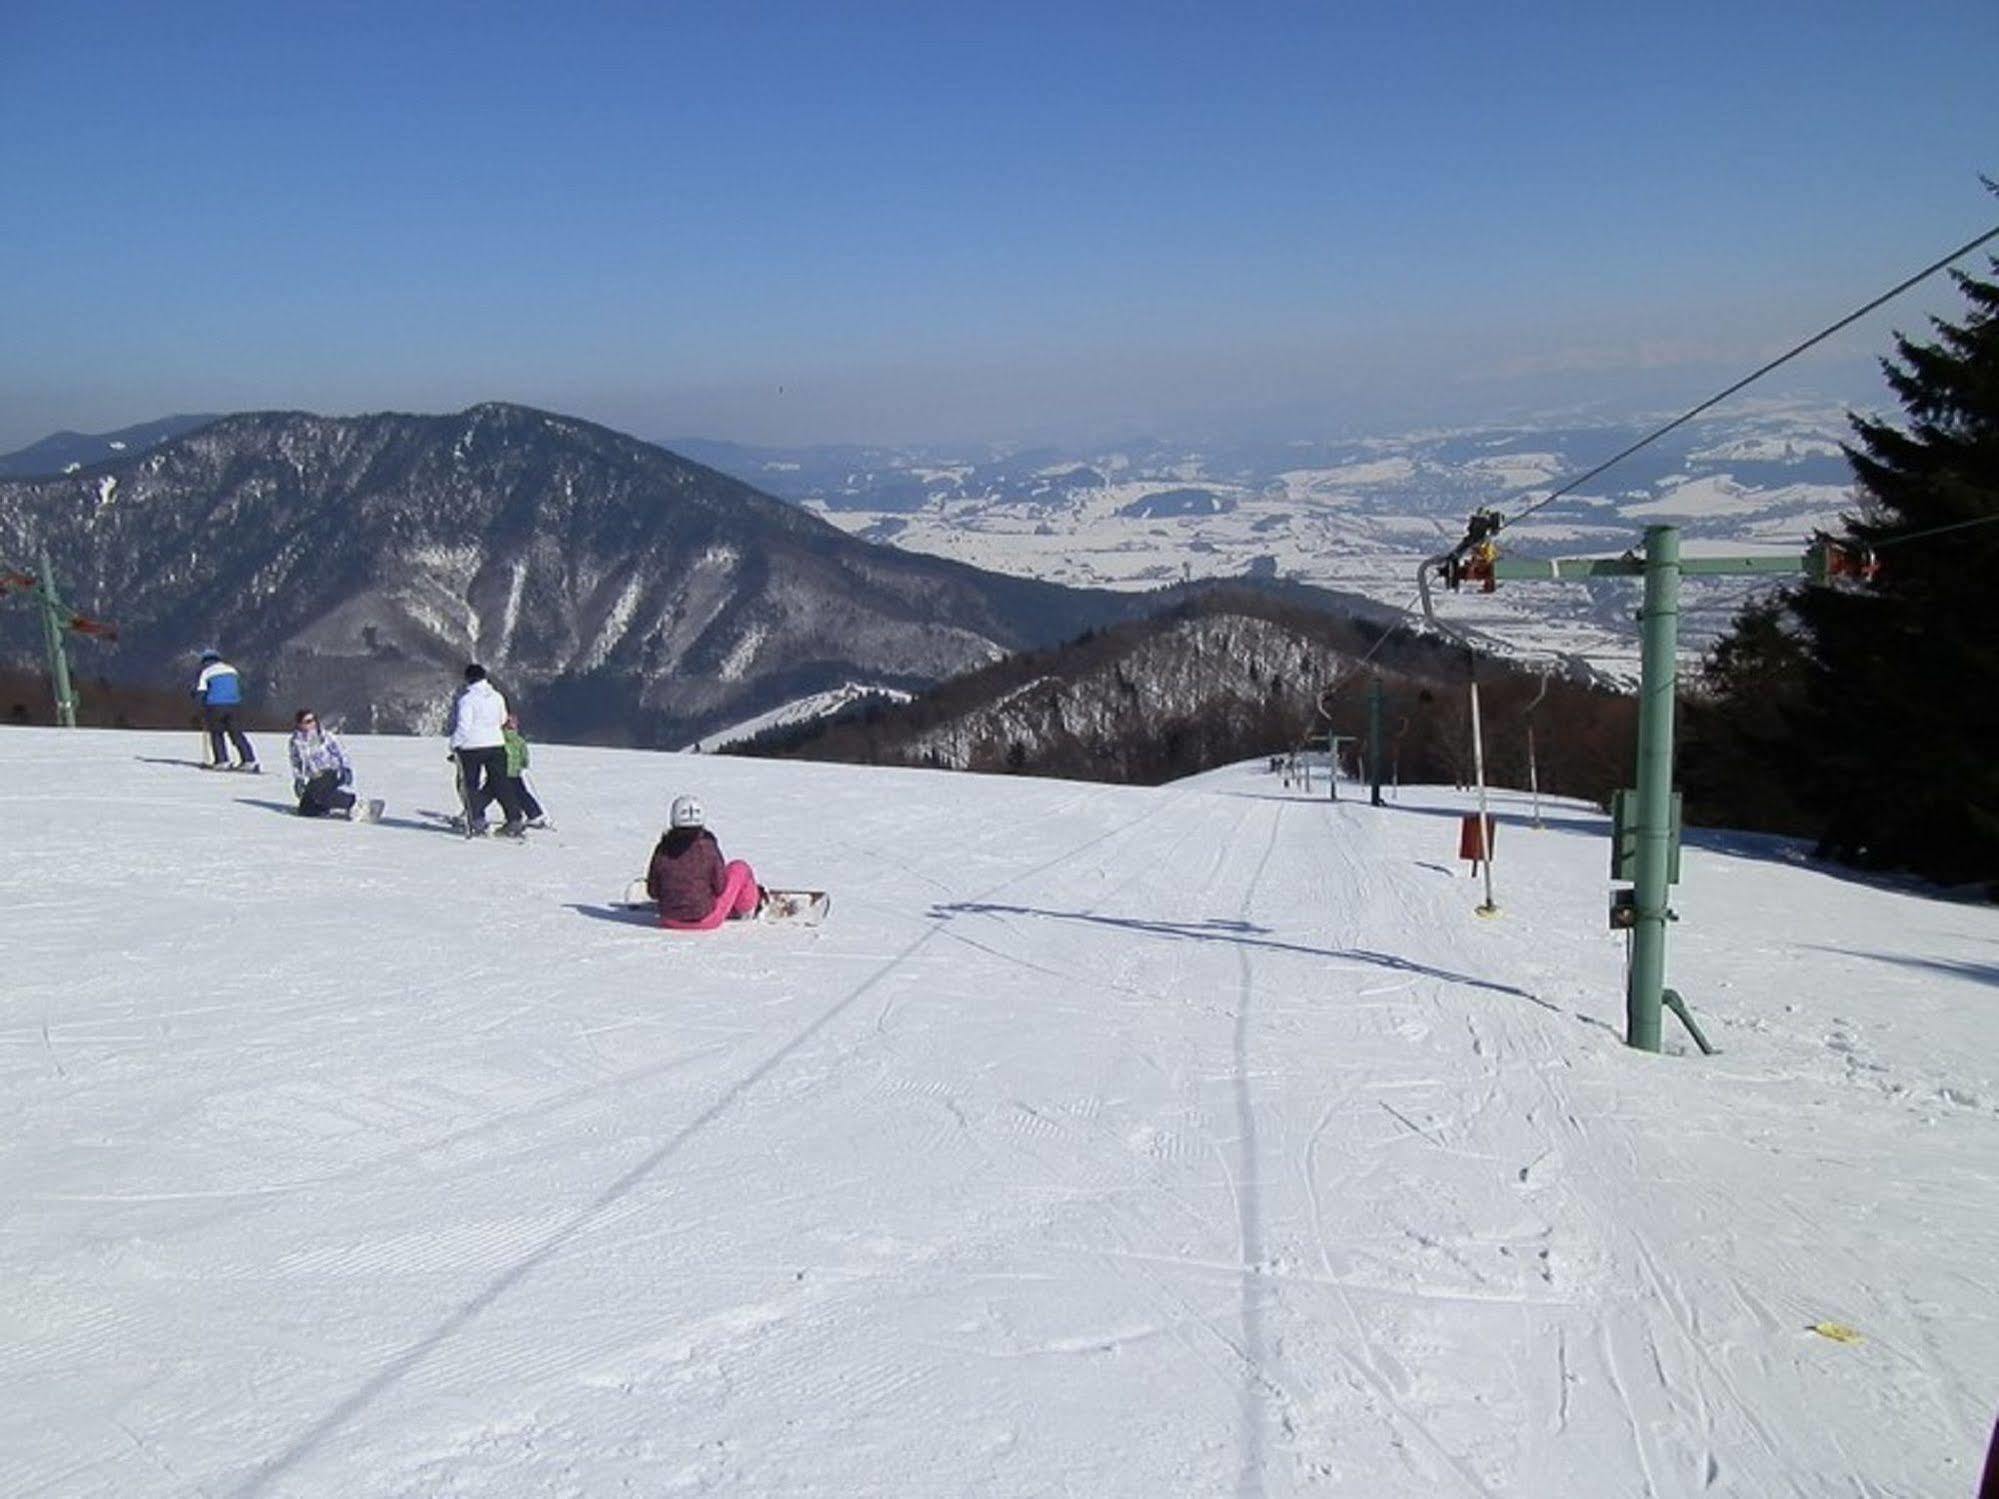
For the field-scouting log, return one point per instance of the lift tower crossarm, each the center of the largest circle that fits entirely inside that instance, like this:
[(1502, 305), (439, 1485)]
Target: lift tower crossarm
[(1575, 569)]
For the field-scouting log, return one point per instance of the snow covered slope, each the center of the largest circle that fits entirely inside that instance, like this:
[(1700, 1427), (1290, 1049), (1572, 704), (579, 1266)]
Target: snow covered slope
[(1106, 1141), (799, 711)]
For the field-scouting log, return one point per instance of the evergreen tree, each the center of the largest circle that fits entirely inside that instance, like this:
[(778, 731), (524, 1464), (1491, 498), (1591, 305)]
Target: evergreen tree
[(1886, 719), (1740, 725)]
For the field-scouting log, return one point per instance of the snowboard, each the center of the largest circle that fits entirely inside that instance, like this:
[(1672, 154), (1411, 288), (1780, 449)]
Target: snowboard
[(369, 810), (779, 908)]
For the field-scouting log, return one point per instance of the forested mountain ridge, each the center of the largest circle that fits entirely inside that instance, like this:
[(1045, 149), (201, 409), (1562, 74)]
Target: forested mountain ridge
[(1228, 674), (627, 593)]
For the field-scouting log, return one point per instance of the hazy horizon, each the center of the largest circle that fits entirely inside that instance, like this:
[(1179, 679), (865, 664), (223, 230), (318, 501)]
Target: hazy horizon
[(1202, 432)]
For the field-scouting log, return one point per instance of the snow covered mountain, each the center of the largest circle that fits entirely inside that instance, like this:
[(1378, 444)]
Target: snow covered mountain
[(1105, 1141), (66, 452), (627, 593), (632, 639), (1353, 514), (1224, 674)]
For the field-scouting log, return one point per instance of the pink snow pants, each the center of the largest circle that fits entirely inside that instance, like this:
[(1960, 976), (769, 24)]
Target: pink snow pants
[(738, 898)]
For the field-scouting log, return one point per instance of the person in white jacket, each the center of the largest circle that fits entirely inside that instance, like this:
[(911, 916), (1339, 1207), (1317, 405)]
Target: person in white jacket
[(479, 744)]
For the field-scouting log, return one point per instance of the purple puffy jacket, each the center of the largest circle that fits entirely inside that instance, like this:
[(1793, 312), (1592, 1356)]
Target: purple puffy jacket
[(686, 875)]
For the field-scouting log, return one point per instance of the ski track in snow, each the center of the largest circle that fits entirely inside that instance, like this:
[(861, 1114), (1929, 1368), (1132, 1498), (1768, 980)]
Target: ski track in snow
[(1109, 1141)]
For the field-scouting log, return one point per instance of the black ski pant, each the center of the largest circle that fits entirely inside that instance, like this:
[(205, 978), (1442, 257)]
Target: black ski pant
[(483, 780), (524, 798), (220, 721), (324, 795)]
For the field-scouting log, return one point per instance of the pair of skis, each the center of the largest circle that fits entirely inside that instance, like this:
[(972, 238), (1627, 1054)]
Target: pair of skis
[(476, 828)]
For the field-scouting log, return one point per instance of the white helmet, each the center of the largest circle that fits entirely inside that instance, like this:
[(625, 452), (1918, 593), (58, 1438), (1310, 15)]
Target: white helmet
[(687, 812)]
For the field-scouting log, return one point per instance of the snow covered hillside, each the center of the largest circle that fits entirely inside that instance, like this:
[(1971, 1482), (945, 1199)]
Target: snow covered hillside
[(808, 709), (1105, 1141)]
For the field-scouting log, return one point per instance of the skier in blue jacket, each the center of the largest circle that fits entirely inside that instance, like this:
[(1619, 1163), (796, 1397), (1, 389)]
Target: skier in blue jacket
[(219, 690)]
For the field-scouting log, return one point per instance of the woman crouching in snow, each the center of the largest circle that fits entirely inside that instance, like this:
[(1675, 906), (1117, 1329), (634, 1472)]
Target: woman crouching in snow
[(321, 773), (696, 890)]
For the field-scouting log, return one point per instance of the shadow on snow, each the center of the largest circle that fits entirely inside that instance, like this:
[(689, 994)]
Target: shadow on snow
[(290, 809), (1240, 933), (1963, 968), (619, 915)]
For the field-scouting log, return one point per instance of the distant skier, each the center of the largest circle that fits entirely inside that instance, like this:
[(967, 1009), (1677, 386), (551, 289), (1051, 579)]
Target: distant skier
[(478, 740), (517, 766), (321, 771), (696, 889), (219, 690)]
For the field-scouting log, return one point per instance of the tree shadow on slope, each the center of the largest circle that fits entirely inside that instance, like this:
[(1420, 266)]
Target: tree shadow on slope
[(1800, 853), (1960, 968), (1240, 933)]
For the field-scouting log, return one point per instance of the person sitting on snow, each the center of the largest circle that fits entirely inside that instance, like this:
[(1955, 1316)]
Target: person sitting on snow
[(321, 772), (696, 889)]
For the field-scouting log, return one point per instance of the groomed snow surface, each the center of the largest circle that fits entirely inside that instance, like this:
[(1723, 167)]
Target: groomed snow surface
[(1195, 1141)]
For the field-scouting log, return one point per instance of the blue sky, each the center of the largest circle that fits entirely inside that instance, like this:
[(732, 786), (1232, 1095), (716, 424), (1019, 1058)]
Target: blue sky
[(901, 222)]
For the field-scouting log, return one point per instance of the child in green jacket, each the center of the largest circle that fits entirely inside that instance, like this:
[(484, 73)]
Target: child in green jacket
[(517, 765)]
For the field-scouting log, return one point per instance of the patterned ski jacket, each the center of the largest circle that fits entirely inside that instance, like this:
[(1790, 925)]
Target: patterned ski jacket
[(316, 753), (687, 875)]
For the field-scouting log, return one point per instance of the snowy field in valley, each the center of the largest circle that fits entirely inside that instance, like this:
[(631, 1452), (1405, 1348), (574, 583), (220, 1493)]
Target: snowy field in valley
[(1105, 1141), (1364, 528)]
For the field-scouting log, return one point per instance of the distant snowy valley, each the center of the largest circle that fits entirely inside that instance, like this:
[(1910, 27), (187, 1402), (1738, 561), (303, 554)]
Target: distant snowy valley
[(1355, 515)]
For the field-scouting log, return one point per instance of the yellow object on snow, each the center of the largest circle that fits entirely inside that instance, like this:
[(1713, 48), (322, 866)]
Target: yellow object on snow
[(1839, 1332)]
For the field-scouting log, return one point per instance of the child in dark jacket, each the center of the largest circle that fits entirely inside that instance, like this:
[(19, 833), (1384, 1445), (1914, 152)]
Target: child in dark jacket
[(696, 889)]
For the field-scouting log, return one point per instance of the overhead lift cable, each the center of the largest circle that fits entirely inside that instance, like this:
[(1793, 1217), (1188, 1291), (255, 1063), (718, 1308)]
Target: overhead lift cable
[(1751, 378), (1476, 555), (1895, 541), (1471, 559), (1473, 556)]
